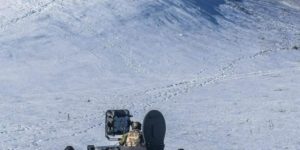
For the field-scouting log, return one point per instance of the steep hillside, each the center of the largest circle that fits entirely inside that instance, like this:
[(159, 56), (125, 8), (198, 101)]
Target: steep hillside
[(224, 72)]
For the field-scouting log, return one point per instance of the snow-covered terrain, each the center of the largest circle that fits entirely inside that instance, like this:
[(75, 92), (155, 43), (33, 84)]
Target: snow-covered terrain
[(225, 73)]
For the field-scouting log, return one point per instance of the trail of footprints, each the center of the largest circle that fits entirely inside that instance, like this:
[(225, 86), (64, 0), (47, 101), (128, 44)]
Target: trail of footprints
[(170, 91), (27, 14)]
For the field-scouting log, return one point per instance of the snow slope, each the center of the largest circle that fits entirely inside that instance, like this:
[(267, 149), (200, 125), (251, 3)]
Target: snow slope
[(224, 72)]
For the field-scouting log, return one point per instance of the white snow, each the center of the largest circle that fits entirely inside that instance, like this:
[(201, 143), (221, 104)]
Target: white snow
[(292, 3), (226, 74)]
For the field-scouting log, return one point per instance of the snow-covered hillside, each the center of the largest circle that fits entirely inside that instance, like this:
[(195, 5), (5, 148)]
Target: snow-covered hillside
[(225, 73)]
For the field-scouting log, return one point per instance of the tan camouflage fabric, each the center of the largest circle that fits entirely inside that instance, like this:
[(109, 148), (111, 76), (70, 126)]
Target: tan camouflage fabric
[(133, 138)]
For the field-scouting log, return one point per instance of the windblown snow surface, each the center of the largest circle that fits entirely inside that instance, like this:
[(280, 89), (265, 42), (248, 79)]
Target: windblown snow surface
[(225, 73)]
